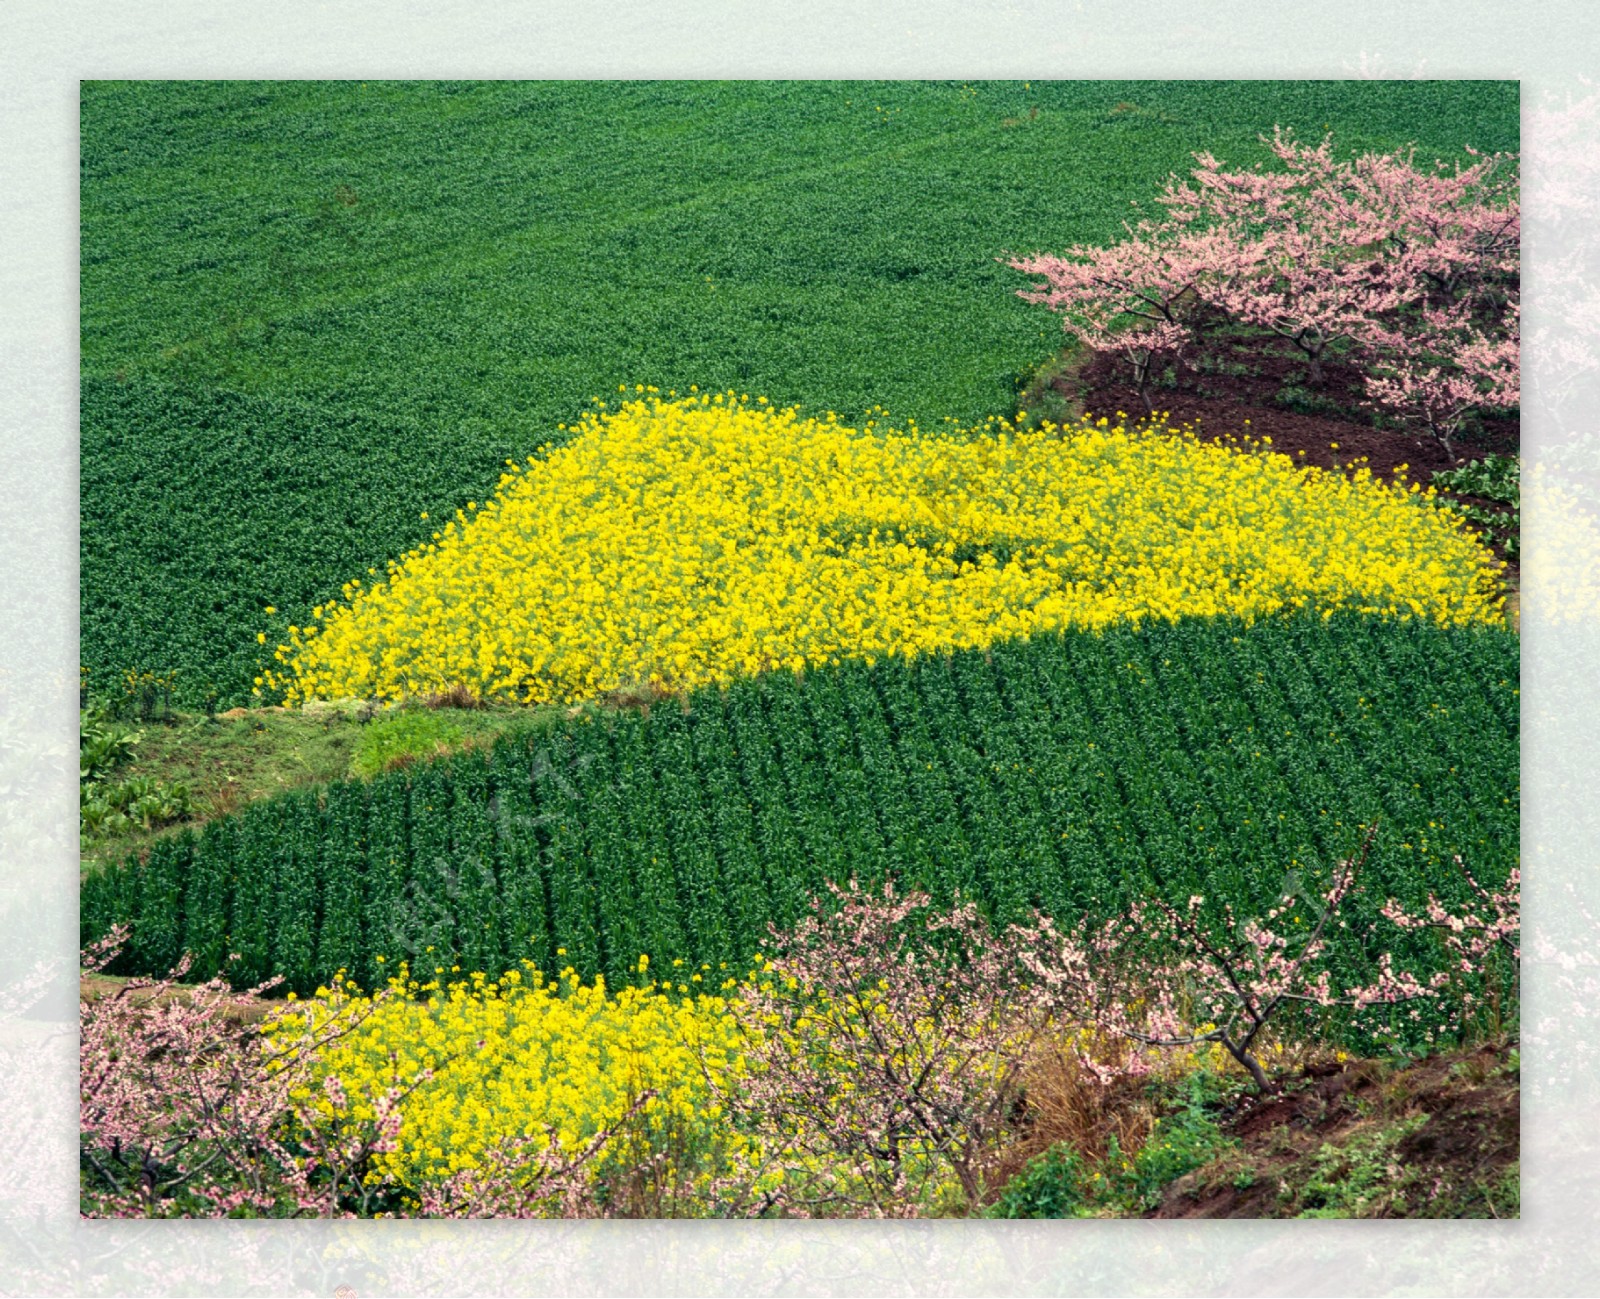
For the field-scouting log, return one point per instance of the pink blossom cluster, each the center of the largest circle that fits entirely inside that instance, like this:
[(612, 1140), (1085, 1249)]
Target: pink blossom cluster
[(185, 1108), (887, 1045), (1161, 976), (1416, 271)]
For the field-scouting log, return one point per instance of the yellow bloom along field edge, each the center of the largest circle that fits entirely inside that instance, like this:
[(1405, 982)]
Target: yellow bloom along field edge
[(684, 541), (522, 1056)]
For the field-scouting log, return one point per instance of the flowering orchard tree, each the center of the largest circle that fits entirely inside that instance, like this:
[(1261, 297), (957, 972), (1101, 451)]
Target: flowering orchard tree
[(1414, 270), (1441, 233), (186, 1110), (1493, 926), (1161, 976), (1138, 298), (887, 1046), (527, 1177), (1438, 369), (1315, 279)]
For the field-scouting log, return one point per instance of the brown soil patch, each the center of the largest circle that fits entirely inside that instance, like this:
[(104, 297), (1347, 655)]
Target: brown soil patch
[(93, 987), (1439, 1138), (1257, 387)]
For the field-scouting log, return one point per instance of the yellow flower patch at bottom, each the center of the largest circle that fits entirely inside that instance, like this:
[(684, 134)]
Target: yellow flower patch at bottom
[(522, 1056)]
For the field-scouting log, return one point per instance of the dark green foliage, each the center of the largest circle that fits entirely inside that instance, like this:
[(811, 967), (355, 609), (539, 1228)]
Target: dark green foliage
[(1494, 478), (341, 862), (208, 894), (1050, 1186), (1185, 1138), (311, 311), (200, 509), (387, 870), (156, 943), (298, 853), (1069, 773)]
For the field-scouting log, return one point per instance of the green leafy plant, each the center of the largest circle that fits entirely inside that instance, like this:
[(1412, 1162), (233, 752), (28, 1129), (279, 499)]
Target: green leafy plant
[(107, 806), (409, 734), (1185, 1139), (1361, 1177), (1494, 478), (1051, 1185), (103, 745)]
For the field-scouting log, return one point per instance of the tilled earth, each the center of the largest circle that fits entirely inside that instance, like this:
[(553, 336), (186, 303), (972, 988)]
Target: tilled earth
[(1439, 1138), (1258, 388)]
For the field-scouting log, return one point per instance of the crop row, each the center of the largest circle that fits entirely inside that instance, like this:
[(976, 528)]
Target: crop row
[(1066, 772)]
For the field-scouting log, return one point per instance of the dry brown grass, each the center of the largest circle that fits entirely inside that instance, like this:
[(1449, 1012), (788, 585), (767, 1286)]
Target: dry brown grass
[(456, 696), (1063, 1102), (641, 696)]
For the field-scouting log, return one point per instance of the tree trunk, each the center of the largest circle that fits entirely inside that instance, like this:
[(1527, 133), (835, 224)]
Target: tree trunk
[(1263, 1085)]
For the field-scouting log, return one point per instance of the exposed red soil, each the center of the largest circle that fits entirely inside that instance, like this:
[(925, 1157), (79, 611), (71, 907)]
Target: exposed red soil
[(1445, 1130), (1248, 386), (1221, 404)]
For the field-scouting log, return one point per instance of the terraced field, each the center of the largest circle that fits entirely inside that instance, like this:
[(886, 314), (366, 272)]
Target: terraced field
[(678, 422), (312, 312), (1071, 773)]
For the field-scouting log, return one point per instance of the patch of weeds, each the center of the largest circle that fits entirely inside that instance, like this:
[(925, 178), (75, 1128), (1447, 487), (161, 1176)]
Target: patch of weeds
[(108, 806), (1183, 1140), (1504, 1197), (1208, 364), (1061, 1183), (1497, 479), (1362, 1178), (1051, 1185), (408, 735), (1305, 402)]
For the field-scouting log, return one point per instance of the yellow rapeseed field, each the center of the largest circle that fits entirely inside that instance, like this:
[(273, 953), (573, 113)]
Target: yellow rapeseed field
[(522, 1056), (683, 541)]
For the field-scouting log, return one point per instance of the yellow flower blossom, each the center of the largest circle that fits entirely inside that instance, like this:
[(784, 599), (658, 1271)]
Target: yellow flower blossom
[(690, 541), (520, 1056)]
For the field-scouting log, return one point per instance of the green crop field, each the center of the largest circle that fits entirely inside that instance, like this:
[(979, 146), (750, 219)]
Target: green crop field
[(312, 311), (1070, 772)]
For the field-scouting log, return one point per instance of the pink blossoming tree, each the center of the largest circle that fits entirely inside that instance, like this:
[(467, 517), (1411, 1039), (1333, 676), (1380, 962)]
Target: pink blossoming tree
[(887, 1044), (1413, 273), (187, 1110), (1163, 976)]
